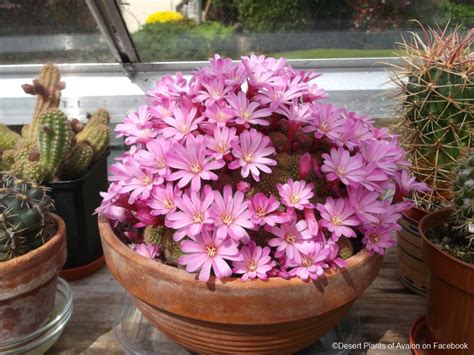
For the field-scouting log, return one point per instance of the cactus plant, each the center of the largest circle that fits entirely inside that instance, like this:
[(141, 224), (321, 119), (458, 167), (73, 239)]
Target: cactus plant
[(436, 119), (47, 89), (25, 223), (463, 192), (52, 147)]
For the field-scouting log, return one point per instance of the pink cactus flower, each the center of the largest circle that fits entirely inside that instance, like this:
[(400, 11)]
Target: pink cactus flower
[(214, 91), (312, 264), (338, 217), (220, 141), (162, 199), (296, 194), (247, 113), (256, 263), (304, 165), (147, 250), (154, 156), (137, 127), (251, 152), (208, 252), (377, 239), (366, 204), (231, 214), (192, 162), (310, 218), (327, 122), (219, 115), (264, 209), (181, 124), (406, 184), (243, 186), (292, 240), (193, 213), (341, 165)]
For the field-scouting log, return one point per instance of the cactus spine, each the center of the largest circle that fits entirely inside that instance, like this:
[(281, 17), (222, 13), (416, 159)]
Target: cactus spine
[(463, 191), (47, 89), (24, 217), (77, 161), (8, 138), (436, 112)]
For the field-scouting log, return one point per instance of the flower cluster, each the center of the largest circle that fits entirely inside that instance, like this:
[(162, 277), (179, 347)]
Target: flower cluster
[(163, 17), (252, 175)]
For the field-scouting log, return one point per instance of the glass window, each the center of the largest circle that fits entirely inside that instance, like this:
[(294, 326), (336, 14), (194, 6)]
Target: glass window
[(59, 31), (186, 30)]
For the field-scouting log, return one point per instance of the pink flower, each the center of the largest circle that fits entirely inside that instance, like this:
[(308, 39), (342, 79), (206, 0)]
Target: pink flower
[(326, 122), (251, 152), (256, 262), (214, 91), (162, 199), (336, 262), (406, 184), (292, 240), (231, 214), (296, 194), (193, 214), (310, 218), (219, 115), (154, 157), (137, 127), (282, 93), (366, 204), (208, 252), (220, 142), (246, 112), (183, 122), (192, 162), (312, 264), (300, 113), (341, 165), (243, 186), (338, 217), (304, 165), (377, 239), (147, 250), (264, 209)]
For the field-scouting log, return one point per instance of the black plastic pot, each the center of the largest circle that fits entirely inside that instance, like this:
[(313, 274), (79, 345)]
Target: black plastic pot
[(76, 201)]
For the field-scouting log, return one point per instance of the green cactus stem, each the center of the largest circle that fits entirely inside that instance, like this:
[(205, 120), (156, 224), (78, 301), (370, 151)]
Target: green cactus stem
[(47, 89), (25, 222), (8, 138), (54, 140), (97, 137), (77, 162)]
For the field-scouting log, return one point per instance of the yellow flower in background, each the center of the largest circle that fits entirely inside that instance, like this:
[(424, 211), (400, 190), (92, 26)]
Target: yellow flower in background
[(164, 16)]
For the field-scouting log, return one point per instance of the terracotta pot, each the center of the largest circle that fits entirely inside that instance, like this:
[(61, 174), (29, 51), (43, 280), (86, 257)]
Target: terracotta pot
[(450, 296), (231, 316), (411, 267), (28, 286)]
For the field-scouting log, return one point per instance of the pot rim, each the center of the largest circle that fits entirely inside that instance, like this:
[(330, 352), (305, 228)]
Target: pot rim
[(53, 242), (110, 237), (430, 221), (414, 214)]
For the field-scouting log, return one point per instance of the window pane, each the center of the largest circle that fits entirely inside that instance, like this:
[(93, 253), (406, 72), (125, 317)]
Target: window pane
[(59, 31), (195, 29)]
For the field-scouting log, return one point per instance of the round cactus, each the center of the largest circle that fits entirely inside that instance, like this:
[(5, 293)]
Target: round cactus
[(463, 191), (24, 217), (436, 112)]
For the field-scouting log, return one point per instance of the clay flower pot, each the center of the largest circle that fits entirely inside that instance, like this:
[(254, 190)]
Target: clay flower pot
[(230, 316), (450, 296), (28, 286), (411, 267)]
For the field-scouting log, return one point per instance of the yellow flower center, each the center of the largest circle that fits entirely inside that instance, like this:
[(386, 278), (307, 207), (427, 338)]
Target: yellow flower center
[(245, 115), (161, 163), (221, 148), (211, 250), (169, 204), (184, 128), (248, 157), (196, 168), (215, 94), (261, 212), (198, 218), (340, 171), (336, 220), (374, 238), (294, 198), (290, 238), (227, 219), (323, 127), (252, 265), (307, 262), (220, 116), (148, 180)]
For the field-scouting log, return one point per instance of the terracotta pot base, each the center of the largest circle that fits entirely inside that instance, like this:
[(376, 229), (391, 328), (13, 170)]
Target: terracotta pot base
[(212, 338)]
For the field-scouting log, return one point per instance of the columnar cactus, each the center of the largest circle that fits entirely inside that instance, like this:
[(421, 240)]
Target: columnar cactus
[(463, 191), (47, 89), (437, 93), (46, 149), (24, 217)]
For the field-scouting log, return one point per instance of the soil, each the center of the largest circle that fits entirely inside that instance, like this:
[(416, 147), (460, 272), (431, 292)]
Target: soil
[(452, 240)]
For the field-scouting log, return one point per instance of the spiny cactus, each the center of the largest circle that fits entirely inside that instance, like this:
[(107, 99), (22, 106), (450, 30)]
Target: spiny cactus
[(47, 89), (437, 116), (8, 138), (463, 191), (54, 140), (97, 137), (77, 162), (25, 222)]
